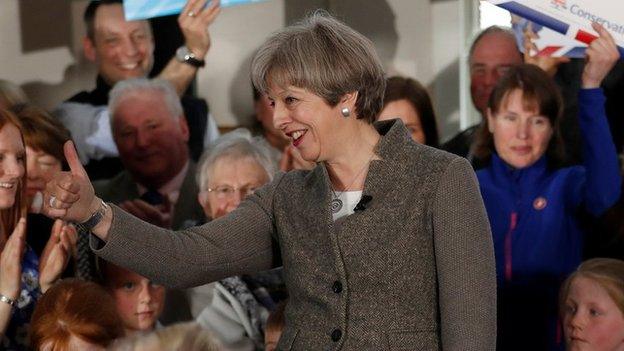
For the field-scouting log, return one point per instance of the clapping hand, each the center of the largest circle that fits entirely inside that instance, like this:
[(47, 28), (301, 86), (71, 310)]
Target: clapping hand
[(601, 56), (11, 261), (55, 256)]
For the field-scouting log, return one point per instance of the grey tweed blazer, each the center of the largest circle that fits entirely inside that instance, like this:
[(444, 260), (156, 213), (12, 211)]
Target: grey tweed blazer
[(413, 271)]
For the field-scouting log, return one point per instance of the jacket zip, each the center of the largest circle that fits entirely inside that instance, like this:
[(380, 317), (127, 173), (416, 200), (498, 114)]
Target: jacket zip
[(508, 249)]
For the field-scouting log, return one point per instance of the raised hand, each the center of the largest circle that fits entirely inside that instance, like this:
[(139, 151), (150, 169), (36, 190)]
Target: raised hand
[(70, 196), (156, 215), (547, 63), (55, 256), (601, 56), (11, 261), (194, 21)]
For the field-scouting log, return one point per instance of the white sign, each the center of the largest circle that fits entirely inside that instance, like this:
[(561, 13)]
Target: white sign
[(571, 18)]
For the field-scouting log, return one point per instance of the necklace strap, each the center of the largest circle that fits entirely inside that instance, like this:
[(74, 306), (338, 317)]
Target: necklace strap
[(356, 176)]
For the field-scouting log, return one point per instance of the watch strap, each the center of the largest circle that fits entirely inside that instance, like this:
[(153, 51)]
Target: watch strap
[(95, 218), (194, 62)]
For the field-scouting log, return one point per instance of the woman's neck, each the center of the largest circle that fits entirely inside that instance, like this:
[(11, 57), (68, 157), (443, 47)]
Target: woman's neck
[(348, 169)]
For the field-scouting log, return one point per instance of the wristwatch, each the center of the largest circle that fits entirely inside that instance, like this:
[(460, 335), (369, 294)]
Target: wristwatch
[(184, 55), (95, 218)]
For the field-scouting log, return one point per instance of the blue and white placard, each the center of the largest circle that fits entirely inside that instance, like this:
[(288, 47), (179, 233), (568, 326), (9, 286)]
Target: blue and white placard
[(571, 18)]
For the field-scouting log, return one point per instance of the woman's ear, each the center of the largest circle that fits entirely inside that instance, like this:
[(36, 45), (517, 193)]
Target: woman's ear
[(349, 99)]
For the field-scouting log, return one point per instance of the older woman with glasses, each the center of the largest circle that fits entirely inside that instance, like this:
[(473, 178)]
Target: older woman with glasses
[(230, 170), (385, 243)]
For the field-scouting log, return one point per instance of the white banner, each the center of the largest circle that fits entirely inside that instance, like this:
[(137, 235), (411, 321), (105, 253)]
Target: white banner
[(570, 18)]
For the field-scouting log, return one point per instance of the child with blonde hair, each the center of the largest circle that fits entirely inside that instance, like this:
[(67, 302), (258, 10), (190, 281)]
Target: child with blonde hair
[(592, 306)]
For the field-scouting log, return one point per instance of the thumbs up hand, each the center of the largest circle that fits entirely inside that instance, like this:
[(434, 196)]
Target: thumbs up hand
[(69, 195)]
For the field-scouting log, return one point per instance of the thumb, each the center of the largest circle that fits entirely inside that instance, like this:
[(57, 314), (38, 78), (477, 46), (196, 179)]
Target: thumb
[(73, 161)]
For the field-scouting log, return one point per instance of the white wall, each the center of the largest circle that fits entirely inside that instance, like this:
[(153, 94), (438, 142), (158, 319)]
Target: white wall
[(417, 38)]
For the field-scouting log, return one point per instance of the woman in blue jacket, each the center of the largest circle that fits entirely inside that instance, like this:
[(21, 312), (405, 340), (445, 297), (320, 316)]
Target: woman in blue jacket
[(532, 202)]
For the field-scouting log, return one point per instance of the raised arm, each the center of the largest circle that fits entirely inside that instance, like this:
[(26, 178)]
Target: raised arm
[(194, 21), (240, 242), (465, 262), (602, 186)]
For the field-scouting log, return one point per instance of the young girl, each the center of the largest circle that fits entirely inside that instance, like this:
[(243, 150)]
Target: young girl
[(592, 306)]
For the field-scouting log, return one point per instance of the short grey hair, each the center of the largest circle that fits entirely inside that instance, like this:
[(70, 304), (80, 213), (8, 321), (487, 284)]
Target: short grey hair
[(237, 144), (126, 88), (326, 57), (491, 30)]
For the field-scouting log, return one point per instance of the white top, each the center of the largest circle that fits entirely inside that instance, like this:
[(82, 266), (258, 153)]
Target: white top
[(349, 200)]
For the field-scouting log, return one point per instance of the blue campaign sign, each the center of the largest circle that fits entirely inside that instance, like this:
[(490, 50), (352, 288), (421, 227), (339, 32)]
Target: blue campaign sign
[(142, 9)]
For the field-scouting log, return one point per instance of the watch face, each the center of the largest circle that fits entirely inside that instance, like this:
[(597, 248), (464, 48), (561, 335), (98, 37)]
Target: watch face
[(183, 53)]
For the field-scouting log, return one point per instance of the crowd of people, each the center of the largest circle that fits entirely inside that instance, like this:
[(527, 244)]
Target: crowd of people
[(343, 222)]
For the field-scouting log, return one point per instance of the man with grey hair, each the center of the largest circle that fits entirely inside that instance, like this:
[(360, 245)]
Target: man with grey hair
[(492, 53), (157, 185), (150, 132)]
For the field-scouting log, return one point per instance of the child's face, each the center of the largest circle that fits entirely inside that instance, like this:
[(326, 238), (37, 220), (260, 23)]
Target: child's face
[(271, 337), (139, 302), (591, 319)]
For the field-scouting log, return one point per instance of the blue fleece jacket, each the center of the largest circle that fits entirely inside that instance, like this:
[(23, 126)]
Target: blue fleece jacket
[(537, 237)]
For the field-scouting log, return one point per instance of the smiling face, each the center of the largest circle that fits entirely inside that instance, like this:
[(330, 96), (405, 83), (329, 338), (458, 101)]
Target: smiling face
[(521, 135), (309, 121), (121, 49), (230, 181), (404, 110), (12, 164), (151, 142), (139, 301), (491, 58), (41, 168), (591, 319)]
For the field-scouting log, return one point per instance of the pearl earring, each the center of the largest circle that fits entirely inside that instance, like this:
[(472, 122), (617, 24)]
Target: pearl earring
[(345, 112)]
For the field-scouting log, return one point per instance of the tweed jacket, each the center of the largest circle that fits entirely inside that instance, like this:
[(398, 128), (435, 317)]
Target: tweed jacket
[(122, 187), (413, 270)]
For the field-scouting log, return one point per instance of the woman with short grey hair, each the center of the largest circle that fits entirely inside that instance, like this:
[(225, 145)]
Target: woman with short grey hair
[(237, 144), (385, 244), (232, 168)]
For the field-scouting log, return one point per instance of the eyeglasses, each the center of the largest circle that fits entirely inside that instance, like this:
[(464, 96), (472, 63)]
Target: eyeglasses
[(227, 192)]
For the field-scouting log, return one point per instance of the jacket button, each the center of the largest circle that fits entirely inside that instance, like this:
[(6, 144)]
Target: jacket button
[(337, 287), (336, 334)]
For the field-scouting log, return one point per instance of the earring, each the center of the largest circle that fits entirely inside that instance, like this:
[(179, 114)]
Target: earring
[(345, 112)]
